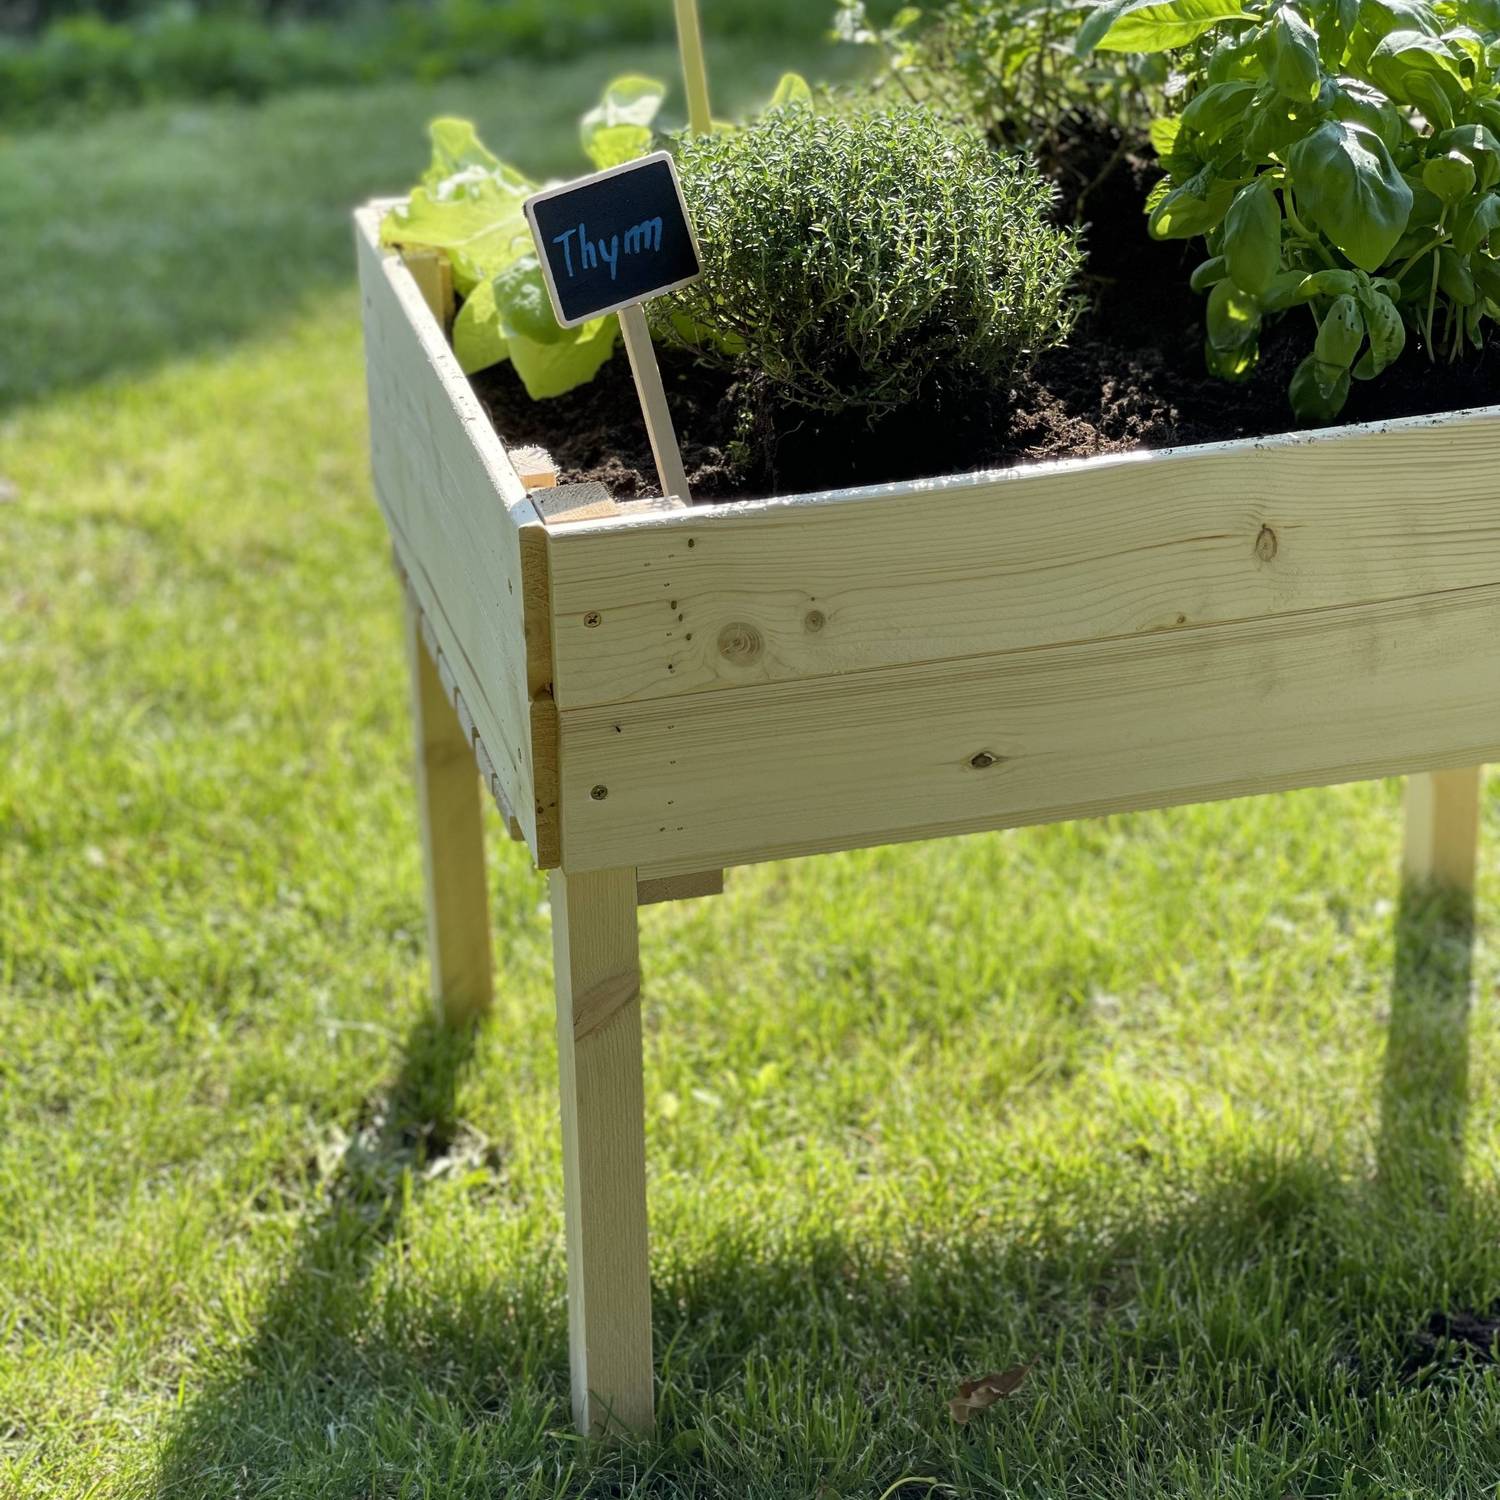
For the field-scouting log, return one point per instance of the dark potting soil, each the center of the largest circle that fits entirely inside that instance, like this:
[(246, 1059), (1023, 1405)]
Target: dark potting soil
[(1132, 376)]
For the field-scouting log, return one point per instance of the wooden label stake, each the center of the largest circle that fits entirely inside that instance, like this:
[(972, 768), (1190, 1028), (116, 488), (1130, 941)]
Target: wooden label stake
[(606, 243), (648, 387)]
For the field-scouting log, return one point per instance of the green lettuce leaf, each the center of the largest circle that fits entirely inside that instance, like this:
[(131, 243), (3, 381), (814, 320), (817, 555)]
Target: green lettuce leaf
[(618, 128), (553, 369), (478, 339), (468, 204)]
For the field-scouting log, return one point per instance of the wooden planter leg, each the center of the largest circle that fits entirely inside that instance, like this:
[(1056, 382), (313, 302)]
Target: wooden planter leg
[(1442, 826), (458, 914), (604, 1148)]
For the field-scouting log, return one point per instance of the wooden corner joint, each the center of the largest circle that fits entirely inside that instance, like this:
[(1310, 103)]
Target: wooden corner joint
[(598, 1005)]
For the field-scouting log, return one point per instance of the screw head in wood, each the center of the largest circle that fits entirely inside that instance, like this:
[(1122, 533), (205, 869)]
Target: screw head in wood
[(599, 793), (592, 618)]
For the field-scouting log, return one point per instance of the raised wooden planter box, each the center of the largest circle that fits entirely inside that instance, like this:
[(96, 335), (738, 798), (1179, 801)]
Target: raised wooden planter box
[(655, 692)]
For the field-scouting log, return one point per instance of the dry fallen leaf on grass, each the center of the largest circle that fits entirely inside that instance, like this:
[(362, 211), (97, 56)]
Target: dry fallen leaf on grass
[(979, 1395)]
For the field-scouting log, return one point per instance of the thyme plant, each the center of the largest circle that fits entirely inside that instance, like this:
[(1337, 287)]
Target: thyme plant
[(861, 261)]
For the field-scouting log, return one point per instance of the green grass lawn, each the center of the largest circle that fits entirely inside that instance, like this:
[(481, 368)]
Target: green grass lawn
[(1193, 1109)]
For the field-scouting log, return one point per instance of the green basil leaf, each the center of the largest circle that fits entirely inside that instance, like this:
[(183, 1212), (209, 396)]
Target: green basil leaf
[(1329, 283), (1348, 184), (1417, 69), (1194, 208), (1387, 335), (1215, 110), (1454, 278), (1152, 25), (1479, 144), (1426, 207), (1252, 237), (1361, 103), (1276, 124), (1486, 274), (1289, 54), (1318, 391), (1287, 289), (1232, 317), (1234, 59), (1474, 221), (1232, 364), (1381, 17), (1340, 333), (1209, 273), (1164, 132), (1449, 177)]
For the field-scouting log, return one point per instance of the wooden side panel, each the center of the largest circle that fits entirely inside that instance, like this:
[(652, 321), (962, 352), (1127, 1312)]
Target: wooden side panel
[(779, 591), (1057, 732), (447, 489)]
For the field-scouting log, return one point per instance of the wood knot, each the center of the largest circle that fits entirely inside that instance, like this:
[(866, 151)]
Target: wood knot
[(814, 620), (740, 642), (1266, 544), (982, 760)]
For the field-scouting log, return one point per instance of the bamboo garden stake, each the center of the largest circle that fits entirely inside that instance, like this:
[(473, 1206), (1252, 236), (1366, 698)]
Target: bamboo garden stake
[(694, 69)]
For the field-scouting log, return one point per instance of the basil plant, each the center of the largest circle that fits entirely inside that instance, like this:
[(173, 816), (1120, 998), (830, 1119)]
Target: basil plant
[(1338, 154)]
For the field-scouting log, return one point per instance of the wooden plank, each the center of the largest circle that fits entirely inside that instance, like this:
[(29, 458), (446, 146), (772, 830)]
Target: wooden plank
[(1077, 730), (604, 1149), (433, 273), (652, 889), (534, 467), (565, 504), (458, 916), (448, 492), (779, 591), (1442, 826)]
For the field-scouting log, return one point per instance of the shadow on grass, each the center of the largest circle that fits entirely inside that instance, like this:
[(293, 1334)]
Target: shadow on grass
[(1172, 1324), (1425, 1089), (313, 1332)]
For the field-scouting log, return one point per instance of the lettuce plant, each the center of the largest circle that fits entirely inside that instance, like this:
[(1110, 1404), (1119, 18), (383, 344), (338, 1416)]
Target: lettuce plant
[(468, 204), (1338, 154)]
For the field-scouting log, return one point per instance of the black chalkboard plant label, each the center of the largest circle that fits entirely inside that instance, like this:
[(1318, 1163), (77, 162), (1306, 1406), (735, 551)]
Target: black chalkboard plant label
[(613, 239), (607, 243)]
